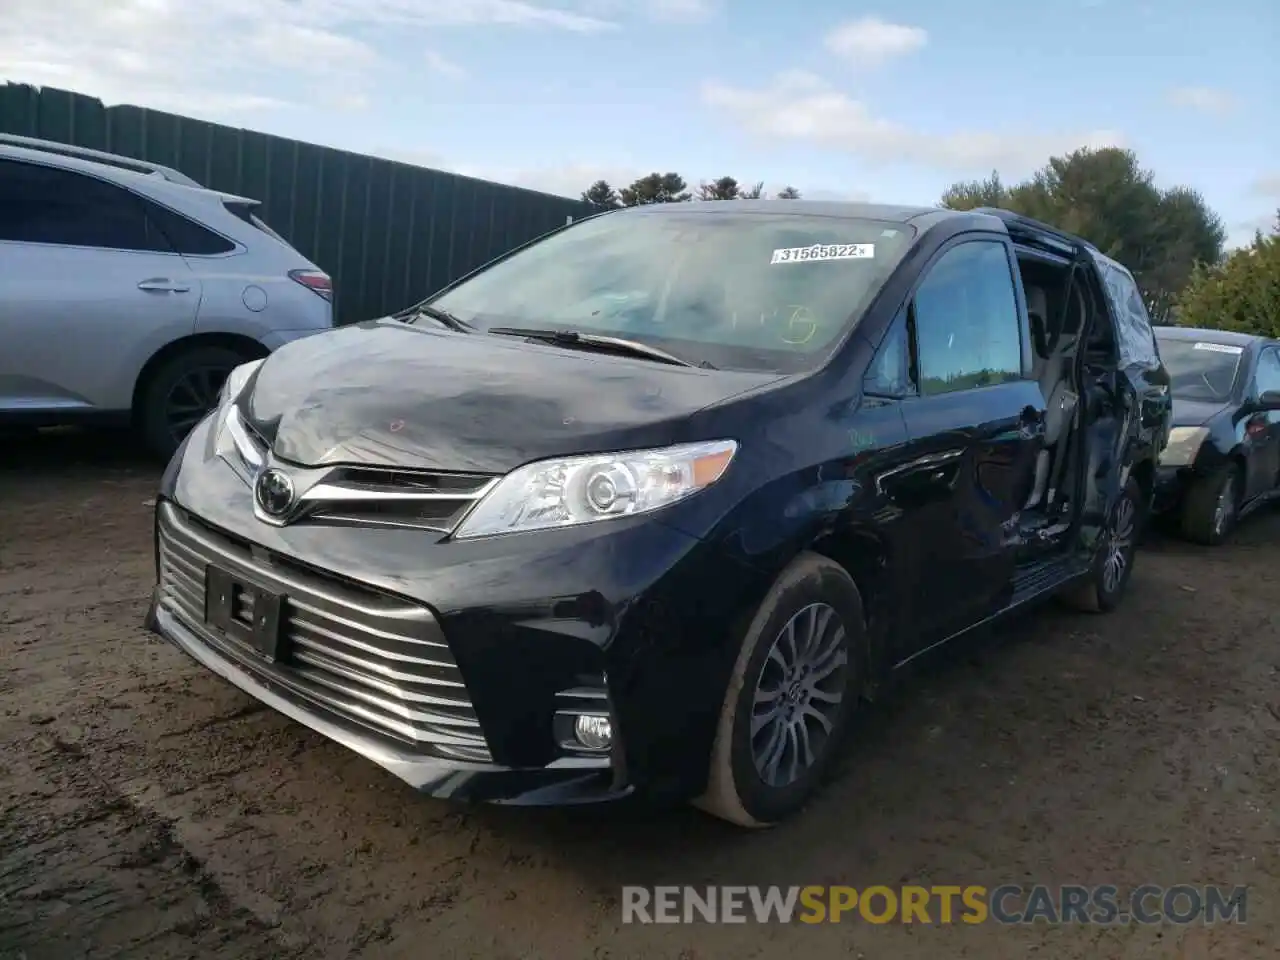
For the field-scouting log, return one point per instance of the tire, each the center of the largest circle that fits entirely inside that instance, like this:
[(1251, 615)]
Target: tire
[(196, 374), (1212, 506), (812, 591), (1103, 588)]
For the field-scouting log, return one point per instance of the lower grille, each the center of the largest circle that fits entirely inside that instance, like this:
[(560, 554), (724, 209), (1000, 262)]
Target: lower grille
[(363, 656)]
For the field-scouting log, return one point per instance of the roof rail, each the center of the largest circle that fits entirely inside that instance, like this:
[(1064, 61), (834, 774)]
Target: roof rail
[(98, 156), (1029, 224)]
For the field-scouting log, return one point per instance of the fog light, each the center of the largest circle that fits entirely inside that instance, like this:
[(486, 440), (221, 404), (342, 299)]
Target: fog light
[(594, 733)]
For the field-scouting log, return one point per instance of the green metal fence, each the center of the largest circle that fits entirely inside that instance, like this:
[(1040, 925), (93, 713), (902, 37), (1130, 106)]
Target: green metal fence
[(388, 233)]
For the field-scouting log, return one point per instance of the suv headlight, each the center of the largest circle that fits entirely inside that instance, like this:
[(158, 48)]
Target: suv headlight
[(575, 490), (1184, 443)]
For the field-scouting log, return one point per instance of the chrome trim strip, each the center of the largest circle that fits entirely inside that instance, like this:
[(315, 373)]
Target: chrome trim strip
[(365, 657), (350, 492), (439, 776)]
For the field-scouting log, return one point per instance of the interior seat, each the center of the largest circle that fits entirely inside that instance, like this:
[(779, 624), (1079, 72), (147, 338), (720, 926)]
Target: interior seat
[(1053, 374)]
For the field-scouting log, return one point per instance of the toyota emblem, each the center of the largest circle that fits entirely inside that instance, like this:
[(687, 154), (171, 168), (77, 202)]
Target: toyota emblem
[(274, 492)]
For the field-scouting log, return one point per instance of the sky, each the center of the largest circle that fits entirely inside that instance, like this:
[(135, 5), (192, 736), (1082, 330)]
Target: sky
[(839, 98)]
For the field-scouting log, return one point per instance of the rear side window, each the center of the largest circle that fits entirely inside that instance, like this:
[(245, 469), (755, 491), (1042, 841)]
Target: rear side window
[(246, 213), (187, 236), (966, 318), (40, 204), (1133, 325)]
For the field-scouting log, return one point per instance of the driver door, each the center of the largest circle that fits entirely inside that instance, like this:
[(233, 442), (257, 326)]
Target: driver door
[(975, 422)]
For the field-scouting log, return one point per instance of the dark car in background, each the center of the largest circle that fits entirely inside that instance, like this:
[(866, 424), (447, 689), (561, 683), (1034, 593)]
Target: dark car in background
[(649, 505), (1223, 456)]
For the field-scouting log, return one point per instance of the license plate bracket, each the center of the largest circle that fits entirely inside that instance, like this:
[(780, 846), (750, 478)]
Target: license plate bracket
[(245, 611)]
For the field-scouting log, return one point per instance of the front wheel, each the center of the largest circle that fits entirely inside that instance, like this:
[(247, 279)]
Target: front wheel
[(794, 686), (1104, 586), (1211, 506)]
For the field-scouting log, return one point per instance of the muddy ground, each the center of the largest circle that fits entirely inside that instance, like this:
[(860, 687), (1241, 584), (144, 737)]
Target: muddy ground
[(149, 810)]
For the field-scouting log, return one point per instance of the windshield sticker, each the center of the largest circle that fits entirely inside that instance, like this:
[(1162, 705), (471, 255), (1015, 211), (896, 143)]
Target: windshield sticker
[(1219, 348), (825, 251)]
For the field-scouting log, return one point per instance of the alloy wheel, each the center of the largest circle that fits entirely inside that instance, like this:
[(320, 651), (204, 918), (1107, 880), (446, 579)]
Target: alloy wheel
[(192, 396), (798, 695), (1224, 507), (1119, 544)]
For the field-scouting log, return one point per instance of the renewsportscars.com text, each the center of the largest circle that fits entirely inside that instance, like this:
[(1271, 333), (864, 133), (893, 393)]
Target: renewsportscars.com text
[(972, 904)]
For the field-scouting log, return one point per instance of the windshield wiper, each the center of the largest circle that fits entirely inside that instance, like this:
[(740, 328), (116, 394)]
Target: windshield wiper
[(592, 341), (442, 317)]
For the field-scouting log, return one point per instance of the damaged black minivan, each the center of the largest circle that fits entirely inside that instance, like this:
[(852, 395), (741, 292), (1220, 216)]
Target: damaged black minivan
[(650, 504)]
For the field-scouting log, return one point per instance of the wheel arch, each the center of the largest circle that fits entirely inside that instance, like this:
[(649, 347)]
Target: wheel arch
[(1144, 474), (864, 556), (248, 347)]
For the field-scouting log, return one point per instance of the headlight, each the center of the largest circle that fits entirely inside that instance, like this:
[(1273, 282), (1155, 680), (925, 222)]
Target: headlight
[(231, 442), (575, 490), (1184, 443)]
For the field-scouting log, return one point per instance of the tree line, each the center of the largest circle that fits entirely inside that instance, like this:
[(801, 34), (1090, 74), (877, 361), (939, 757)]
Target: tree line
[(1167, 236), (672, 188)]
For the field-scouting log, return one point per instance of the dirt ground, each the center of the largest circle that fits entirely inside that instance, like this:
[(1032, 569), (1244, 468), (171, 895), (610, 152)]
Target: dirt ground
[(149, 810)]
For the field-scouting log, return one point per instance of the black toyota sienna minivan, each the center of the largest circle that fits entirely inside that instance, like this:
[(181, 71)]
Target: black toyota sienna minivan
[(650, 504)]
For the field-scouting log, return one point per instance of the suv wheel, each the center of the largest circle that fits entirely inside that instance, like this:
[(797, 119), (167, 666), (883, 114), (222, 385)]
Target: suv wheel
[(180, 392), (1103, 588), (794, 686), (1211, 506)]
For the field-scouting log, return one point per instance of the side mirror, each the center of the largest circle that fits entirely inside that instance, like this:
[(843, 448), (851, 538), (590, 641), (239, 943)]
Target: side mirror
[(1269, 400)]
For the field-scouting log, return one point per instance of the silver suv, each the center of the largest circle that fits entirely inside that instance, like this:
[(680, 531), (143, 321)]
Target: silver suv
[(128, 291)]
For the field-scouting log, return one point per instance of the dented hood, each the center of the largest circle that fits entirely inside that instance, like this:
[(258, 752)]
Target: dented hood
[(390, 394)]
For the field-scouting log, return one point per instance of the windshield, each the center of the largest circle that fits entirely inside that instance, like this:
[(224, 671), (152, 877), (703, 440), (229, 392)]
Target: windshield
[(1201, 370), (743, 291)]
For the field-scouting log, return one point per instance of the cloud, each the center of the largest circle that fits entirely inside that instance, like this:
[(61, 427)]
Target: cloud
[(798, 106), (660, 11), (681, 11), (1203, 100), (438, 63), (871, 42), (220, 60)]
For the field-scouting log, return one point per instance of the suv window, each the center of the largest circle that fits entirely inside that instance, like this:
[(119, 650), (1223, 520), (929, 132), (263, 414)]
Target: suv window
[(966, 318), (40, 204), (1268, 375), (185, 236), (890, 372)]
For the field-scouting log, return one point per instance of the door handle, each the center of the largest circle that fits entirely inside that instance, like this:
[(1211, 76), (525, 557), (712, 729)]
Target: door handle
[(162, 285)]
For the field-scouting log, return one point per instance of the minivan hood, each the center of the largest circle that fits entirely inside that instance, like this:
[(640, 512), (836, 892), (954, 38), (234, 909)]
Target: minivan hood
[(391, 394), (1195, 413)]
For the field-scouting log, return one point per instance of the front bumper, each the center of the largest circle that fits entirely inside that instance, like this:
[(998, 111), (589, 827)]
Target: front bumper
[(455, 665), (1170, 486), (560, 783)]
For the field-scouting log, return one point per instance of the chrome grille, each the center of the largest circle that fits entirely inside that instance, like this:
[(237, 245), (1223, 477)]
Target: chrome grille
[(361, 655), (365, 496), (431, 500)]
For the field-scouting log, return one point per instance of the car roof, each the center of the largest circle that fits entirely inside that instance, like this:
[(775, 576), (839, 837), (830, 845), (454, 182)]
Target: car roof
[(147, 182), (817, 208), (921, 217), (1205, 335)]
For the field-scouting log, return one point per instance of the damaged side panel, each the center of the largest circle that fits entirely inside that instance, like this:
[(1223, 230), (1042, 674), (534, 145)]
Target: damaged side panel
[(1128, 398)]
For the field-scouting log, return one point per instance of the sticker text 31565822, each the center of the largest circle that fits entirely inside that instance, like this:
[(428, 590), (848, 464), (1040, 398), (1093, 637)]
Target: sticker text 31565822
[(825, 251)]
